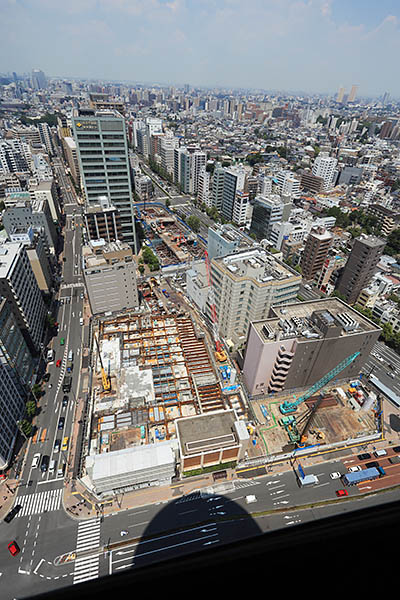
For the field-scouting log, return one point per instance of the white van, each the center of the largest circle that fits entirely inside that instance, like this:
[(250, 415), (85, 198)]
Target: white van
[(70, 355), (250, 499), (379, 453), (81, 321), (50, 355), (52, 466)]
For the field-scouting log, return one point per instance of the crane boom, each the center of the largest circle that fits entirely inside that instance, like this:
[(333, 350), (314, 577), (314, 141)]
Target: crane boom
[(106, 379), (289, 407), (220, 353)]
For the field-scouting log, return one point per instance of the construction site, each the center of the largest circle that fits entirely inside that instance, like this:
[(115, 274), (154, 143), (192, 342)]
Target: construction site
[(170, 239), (150, 370), (336, 415)]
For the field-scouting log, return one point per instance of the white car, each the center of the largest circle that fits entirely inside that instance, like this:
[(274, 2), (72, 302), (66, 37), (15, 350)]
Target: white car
[(335, 475), (36, 459), (354, 469)]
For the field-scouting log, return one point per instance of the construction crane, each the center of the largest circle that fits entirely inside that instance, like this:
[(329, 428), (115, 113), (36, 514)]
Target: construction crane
[(105, 378), (309, 417), (220, 353), (290, 407)]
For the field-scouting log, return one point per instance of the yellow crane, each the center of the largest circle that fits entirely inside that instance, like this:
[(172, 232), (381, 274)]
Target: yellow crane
[(105, 378)]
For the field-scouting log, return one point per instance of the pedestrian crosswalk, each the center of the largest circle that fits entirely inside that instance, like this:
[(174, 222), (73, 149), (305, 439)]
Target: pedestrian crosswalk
[(87, 562), (40, 502)]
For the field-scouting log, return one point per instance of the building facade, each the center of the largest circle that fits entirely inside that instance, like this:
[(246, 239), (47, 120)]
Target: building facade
[(102, 146)]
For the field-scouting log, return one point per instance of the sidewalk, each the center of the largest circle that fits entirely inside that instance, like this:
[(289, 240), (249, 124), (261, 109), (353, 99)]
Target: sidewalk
[(80, 504)]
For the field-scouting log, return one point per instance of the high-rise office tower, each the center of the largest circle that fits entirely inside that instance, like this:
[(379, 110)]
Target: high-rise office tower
[(360, 266), (315, 251), (340, 95), (38, 79), (104, 163), (353, 93), (386, 98)]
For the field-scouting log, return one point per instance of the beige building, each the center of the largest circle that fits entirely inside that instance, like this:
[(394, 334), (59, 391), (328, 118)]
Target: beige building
[(71, 155), (110, 276), (246, 284)]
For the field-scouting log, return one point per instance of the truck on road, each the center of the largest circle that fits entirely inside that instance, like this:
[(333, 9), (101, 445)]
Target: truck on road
[(308, 480), (360, 476), (67, 384)]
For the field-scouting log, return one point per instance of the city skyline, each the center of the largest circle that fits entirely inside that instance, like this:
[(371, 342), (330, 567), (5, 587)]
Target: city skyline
[(316, 46)]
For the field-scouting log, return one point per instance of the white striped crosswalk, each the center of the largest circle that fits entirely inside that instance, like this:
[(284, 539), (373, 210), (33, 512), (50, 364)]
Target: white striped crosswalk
[(40, 502), (87, 566)]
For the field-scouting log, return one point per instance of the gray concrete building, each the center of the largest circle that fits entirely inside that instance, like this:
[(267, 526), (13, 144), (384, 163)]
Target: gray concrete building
[(18, 285), (109, 270)]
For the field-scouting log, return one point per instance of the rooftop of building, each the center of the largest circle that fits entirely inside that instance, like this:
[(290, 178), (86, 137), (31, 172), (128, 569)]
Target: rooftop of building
[(99, 252), (256, 264), (312, 320), (194, 432), (9, 251)]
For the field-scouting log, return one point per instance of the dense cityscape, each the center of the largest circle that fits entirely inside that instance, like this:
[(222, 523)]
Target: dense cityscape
[(199, 318)]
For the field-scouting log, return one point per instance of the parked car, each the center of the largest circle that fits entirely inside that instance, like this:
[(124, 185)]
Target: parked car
[(335, 475), (36, 460), (44, 464), (364, 456), (396, 449), (354, 469), (13, 548)]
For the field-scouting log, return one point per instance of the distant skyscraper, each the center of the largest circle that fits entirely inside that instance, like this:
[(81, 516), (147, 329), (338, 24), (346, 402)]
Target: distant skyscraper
[(353, 92), (386, 98), (39, 81), (104, 163), (340, 94)]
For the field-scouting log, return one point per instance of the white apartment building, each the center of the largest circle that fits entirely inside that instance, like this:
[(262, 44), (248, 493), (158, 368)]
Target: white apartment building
[(246, 285), (203, 191), (167, 146), (325, 167), (284, 230), (288, 184), (240, 208)]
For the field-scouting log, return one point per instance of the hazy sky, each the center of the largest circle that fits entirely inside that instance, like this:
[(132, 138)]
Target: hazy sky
[(311, 45)]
